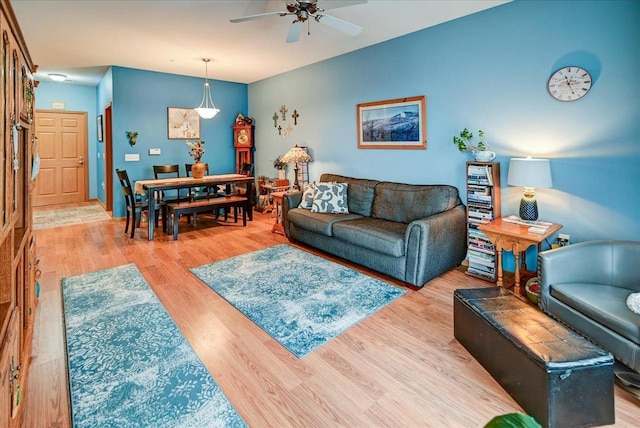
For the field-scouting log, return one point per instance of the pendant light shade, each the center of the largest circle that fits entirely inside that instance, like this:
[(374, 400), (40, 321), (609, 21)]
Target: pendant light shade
[(206, 109)]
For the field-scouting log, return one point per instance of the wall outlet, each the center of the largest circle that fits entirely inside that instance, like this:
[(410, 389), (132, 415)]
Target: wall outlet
[(563, 240), (154, 152)]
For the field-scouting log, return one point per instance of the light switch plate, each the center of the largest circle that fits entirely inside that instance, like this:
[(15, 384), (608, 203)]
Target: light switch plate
[(131, 157), (155, 151)]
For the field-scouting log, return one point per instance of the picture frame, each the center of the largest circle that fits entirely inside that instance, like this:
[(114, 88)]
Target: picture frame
[(182, 123), (393, 124), (100, 128)]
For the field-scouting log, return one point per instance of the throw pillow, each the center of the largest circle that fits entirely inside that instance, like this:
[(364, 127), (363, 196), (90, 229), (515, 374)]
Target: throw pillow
[(307, 196), (330, 198), (633, 302)]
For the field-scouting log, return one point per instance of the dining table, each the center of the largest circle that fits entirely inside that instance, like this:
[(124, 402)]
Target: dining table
[(153, 187)]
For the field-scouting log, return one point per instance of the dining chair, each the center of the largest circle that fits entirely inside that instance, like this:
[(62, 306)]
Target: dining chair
[(246, 169), (203, 192), (171, 196), (135, 205), (200, 192)]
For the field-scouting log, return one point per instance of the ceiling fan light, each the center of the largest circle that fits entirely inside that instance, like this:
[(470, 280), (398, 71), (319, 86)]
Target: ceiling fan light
[(206, 109), (56, 77)]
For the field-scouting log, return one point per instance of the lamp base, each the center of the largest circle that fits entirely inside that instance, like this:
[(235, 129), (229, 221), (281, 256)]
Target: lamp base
[(296, 184), (528, 209)]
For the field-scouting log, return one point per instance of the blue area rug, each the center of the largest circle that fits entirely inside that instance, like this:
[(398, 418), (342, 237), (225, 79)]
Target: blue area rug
[(300, 299), (129, 364)]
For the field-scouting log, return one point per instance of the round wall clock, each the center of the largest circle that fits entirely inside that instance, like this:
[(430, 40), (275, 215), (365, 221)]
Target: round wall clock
[(569, 83)]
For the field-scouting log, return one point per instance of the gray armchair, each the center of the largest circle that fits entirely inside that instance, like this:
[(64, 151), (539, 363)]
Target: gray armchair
[(586, 285)]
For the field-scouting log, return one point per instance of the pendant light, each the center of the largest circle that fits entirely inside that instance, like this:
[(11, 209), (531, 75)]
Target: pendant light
[(206, 110)]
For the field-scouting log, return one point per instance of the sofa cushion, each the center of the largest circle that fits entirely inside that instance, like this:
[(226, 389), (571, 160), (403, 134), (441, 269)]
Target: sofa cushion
[(307, 196), (330, 198), (375, 234), (321, 223), (359, 194), (602, 303), (408, 202)]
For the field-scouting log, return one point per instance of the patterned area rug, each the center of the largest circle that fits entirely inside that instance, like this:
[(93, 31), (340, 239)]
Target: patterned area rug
[(300, 299), (68, 216), (129, 364)]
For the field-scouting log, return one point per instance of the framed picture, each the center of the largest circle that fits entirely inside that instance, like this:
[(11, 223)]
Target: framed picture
[(393, 124), (99, 128), (182, 123)]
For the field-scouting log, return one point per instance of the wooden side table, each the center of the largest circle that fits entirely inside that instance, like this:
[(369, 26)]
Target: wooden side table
[(279, 186), (278, 226), (515, 238)]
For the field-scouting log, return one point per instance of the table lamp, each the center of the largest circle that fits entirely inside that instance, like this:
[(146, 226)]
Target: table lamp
[(295, 155), (529, 173)]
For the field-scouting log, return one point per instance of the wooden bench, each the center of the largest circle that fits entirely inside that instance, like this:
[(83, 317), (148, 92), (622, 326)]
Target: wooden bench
[(556, 375), (208, 205)]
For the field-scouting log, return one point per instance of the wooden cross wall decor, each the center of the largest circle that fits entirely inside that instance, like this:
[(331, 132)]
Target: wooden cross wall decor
[(283, 127)]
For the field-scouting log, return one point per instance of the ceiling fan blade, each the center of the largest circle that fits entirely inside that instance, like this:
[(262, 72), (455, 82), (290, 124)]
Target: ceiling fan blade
[(339, 24), (294, 32), (252, 17)]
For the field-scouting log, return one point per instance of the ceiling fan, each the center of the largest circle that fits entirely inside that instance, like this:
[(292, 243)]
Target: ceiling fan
[(303, 10)]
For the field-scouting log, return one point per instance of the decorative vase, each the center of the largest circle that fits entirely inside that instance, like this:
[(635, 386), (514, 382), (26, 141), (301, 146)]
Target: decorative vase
[(282, 174), (197, 169), (484, 155)]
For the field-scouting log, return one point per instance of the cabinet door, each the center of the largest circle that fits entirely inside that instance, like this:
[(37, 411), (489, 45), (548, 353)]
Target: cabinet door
[(9, 375)]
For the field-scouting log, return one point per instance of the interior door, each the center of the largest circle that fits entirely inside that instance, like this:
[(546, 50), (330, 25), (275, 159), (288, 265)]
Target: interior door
[(62, 145)]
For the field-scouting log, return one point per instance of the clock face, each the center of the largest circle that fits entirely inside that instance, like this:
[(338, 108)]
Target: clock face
[(569, 84), (243, 138)]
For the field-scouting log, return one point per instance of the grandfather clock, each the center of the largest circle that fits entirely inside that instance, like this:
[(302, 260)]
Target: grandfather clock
[(243, 143)]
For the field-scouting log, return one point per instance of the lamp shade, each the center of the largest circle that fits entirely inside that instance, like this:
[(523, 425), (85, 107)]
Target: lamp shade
[(529, 172), (296, 154)]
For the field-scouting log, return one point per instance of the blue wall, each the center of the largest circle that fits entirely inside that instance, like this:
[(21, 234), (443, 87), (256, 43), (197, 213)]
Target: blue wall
[(486, 71), (104, 94), (140, 101)]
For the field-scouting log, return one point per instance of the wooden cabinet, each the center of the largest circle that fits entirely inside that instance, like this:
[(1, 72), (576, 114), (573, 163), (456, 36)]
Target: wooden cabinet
[(17, 243), (483, 205)]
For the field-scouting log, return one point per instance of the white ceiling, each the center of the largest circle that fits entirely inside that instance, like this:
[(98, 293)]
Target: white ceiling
[(81, 39)]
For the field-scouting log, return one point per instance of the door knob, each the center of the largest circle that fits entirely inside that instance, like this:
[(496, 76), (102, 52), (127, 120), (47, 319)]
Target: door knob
[(81, 160)]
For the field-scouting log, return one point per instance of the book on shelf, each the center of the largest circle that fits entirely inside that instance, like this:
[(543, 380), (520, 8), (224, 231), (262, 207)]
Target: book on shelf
[(484, 274), (480, 248)]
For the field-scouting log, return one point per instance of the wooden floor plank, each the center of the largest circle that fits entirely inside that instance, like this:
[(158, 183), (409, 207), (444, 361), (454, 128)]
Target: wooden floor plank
[(400, 367)]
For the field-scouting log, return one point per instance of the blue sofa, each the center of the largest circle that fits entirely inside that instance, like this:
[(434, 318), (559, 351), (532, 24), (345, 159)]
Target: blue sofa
[(586, 286), (410, 232)]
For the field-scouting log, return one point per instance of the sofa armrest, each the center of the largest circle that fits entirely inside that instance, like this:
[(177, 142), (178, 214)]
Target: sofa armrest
[(435, 244), (289, 201)]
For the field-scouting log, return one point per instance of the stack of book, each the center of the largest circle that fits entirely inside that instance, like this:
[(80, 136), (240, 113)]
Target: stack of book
[(480, 210), (481, 254)]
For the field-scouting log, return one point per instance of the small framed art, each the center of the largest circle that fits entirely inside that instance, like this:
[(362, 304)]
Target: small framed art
[(100, 128), (393, 124)]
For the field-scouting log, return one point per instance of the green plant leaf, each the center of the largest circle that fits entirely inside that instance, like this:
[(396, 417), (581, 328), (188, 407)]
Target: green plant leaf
[(513, 420)]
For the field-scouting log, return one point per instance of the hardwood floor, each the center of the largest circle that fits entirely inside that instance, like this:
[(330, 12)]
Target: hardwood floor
[(400, 367)]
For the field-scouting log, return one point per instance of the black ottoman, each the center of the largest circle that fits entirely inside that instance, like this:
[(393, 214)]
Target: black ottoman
[(556, 375)]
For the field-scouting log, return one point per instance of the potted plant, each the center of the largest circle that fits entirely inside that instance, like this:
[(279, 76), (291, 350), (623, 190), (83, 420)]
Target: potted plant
[(481, 151), (133, 136), (196, 150), (280, 166)]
